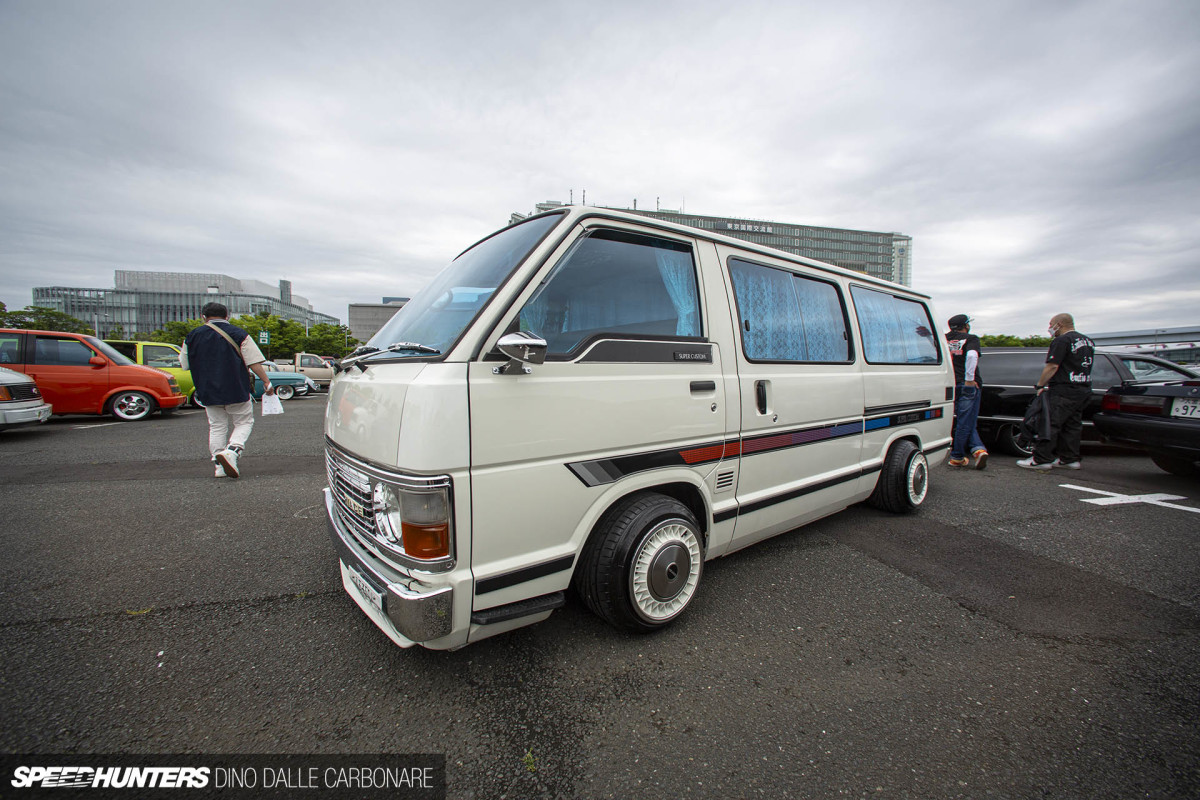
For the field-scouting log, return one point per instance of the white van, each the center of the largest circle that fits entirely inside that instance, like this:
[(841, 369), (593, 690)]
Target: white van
[(597, 400)]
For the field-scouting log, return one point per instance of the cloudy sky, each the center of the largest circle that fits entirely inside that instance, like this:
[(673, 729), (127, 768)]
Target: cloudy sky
[(1044, 156)]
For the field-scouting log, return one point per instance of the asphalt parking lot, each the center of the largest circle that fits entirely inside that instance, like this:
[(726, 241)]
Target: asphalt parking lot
[(1024, 635)]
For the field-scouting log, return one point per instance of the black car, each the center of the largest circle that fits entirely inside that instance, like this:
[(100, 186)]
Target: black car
[(1009, 375), (1164, 418)]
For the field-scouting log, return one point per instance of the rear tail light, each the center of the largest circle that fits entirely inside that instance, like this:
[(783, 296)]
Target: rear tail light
[(1133, 404)]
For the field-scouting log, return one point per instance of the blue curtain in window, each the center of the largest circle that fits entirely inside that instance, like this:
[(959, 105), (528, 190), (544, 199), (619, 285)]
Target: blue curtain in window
[(679, 276), (534, 317), (767, 299), (894, 331), (824, 325)]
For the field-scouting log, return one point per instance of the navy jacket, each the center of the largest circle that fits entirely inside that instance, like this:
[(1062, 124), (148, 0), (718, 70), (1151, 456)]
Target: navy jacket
[(218, 370)]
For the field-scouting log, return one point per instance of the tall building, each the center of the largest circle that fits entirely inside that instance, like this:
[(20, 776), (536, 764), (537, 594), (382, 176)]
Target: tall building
[(367, 318), (880, 255), (141, 302)]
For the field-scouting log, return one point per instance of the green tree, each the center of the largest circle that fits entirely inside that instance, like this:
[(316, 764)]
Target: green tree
[(330, 340), (1007, 340), (176, 331), (43, 319)]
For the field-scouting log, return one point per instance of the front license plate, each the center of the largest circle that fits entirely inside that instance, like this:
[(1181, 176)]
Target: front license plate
[(364, 588), (1186, 407)]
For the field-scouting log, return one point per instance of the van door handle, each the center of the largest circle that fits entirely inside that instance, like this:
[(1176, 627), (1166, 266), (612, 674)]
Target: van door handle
[(703, 386), (760, 396)]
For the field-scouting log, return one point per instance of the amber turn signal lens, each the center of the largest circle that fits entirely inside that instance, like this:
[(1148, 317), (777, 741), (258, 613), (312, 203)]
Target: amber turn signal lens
[(426, 541)]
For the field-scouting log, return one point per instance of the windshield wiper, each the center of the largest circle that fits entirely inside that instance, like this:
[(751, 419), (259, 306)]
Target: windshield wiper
[(420, 348)]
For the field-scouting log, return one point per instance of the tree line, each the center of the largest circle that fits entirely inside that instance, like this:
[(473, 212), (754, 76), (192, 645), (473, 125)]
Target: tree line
[(287, 336)]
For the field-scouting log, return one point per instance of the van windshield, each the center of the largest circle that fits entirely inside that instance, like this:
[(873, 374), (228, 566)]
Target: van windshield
[(437, 316)]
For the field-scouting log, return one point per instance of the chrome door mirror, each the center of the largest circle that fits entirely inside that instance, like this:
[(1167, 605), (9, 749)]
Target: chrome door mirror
[(522, 348)]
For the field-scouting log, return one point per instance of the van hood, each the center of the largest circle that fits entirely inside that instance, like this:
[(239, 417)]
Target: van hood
[(365, 409)]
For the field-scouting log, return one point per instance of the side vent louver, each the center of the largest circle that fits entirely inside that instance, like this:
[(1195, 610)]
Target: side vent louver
[(724, 480)]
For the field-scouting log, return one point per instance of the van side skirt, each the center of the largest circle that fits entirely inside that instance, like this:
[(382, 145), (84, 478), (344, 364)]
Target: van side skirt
[(507, 579)]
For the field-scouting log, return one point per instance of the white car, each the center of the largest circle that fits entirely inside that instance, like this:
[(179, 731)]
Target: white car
[(20, 401)]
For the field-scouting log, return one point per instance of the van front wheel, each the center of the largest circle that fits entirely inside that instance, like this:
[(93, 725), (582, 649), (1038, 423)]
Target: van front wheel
[(642, 566), (903, 481)]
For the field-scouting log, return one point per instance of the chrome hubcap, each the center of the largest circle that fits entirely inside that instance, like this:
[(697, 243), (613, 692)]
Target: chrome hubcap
[(918, 479)]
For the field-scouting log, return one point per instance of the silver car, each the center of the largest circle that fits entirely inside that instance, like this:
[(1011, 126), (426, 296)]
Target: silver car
[(20, 401)]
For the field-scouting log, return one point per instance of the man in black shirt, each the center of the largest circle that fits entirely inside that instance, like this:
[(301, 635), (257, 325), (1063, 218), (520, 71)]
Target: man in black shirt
[(1067, 376), (964, 353)]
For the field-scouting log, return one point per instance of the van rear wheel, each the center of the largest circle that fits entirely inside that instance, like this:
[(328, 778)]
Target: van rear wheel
[(903, 481), (642, 565)]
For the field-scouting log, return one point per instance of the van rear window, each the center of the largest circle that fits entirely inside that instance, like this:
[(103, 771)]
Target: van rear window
[(895, 330)]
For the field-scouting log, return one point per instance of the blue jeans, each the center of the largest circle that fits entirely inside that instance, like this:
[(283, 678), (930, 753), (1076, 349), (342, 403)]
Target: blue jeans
[(966, 411)]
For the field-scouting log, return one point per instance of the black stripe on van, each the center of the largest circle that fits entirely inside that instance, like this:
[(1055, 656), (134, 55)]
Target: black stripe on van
[(507, 579)]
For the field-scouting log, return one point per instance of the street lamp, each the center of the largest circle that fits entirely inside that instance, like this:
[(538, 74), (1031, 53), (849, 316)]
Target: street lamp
[(96, 315)]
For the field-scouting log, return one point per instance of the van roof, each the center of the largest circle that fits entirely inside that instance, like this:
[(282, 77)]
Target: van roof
[(579, 213)]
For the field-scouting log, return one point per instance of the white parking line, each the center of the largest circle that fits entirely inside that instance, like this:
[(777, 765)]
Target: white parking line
[(1115, 499), (101, 425)]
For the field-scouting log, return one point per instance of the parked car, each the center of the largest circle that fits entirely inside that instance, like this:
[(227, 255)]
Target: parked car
[(20, 401), (312, 365), (287, 384), (1009, 375), (1163, 418), (159, 355), (79, 374)]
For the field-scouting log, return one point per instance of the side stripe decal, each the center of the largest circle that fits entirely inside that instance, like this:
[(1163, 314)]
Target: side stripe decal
[(608, 470)]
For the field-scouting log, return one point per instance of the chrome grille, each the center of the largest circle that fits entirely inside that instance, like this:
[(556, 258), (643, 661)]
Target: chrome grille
[(352, 492)]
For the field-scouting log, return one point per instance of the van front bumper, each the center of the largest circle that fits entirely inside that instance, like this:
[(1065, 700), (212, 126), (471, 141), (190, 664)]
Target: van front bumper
[(11, 418), (405, 609)]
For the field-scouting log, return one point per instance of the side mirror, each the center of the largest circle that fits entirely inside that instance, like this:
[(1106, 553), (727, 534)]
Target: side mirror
[(97, 361), (522, 348)]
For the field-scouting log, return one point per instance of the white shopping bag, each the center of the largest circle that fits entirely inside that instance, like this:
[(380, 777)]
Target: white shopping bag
[(271, 404)]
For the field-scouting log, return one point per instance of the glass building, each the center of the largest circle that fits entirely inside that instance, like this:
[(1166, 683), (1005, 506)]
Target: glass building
[(142, 302), (880, 255)]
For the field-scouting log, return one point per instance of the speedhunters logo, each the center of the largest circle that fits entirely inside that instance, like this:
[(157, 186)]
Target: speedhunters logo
[(110, 777), (235, 776)]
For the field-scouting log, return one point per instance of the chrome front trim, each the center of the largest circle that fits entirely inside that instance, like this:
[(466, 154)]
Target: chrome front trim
[(418, 612), (351, 490)]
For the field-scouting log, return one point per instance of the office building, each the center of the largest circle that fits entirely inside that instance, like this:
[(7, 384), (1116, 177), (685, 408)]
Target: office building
[(142, 302), (367, 318), (880, 255)]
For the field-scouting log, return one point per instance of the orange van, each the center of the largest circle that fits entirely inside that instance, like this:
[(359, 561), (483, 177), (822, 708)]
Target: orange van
[(79, 374)]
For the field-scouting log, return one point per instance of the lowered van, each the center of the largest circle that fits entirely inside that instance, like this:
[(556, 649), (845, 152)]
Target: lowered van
[(590, 399), (79, 374)]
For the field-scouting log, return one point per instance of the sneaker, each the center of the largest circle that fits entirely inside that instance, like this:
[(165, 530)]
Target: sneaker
[(980, 458), (220, 473), (228, 459), (1058, 462), (957, 462), (1029, 463)]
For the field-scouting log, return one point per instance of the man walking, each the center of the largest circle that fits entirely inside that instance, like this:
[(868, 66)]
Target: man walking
[(218, 355), (1067, 376), (968, 392)]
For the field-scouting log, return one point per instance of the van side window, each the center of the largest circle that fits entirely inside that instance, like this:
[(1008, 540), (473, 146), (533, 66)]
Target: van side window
[(616, 284), (10, 348), (52, 351), (788, 317), (127, 349), (158, 356), (895, 330)]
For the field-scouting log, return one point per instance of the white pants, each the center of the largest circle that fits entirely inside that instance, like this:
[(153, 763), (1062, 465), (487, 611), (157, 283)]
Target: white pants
[(238, 416)]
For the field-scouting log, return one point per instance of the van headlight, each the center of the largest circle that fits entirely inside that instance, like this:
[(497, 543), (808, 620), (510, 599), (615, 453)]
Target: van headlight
[(416, 520)]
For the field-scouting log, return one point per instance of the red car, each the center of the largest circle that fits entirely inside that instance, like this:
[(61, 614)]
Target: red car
[(79, 374)]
